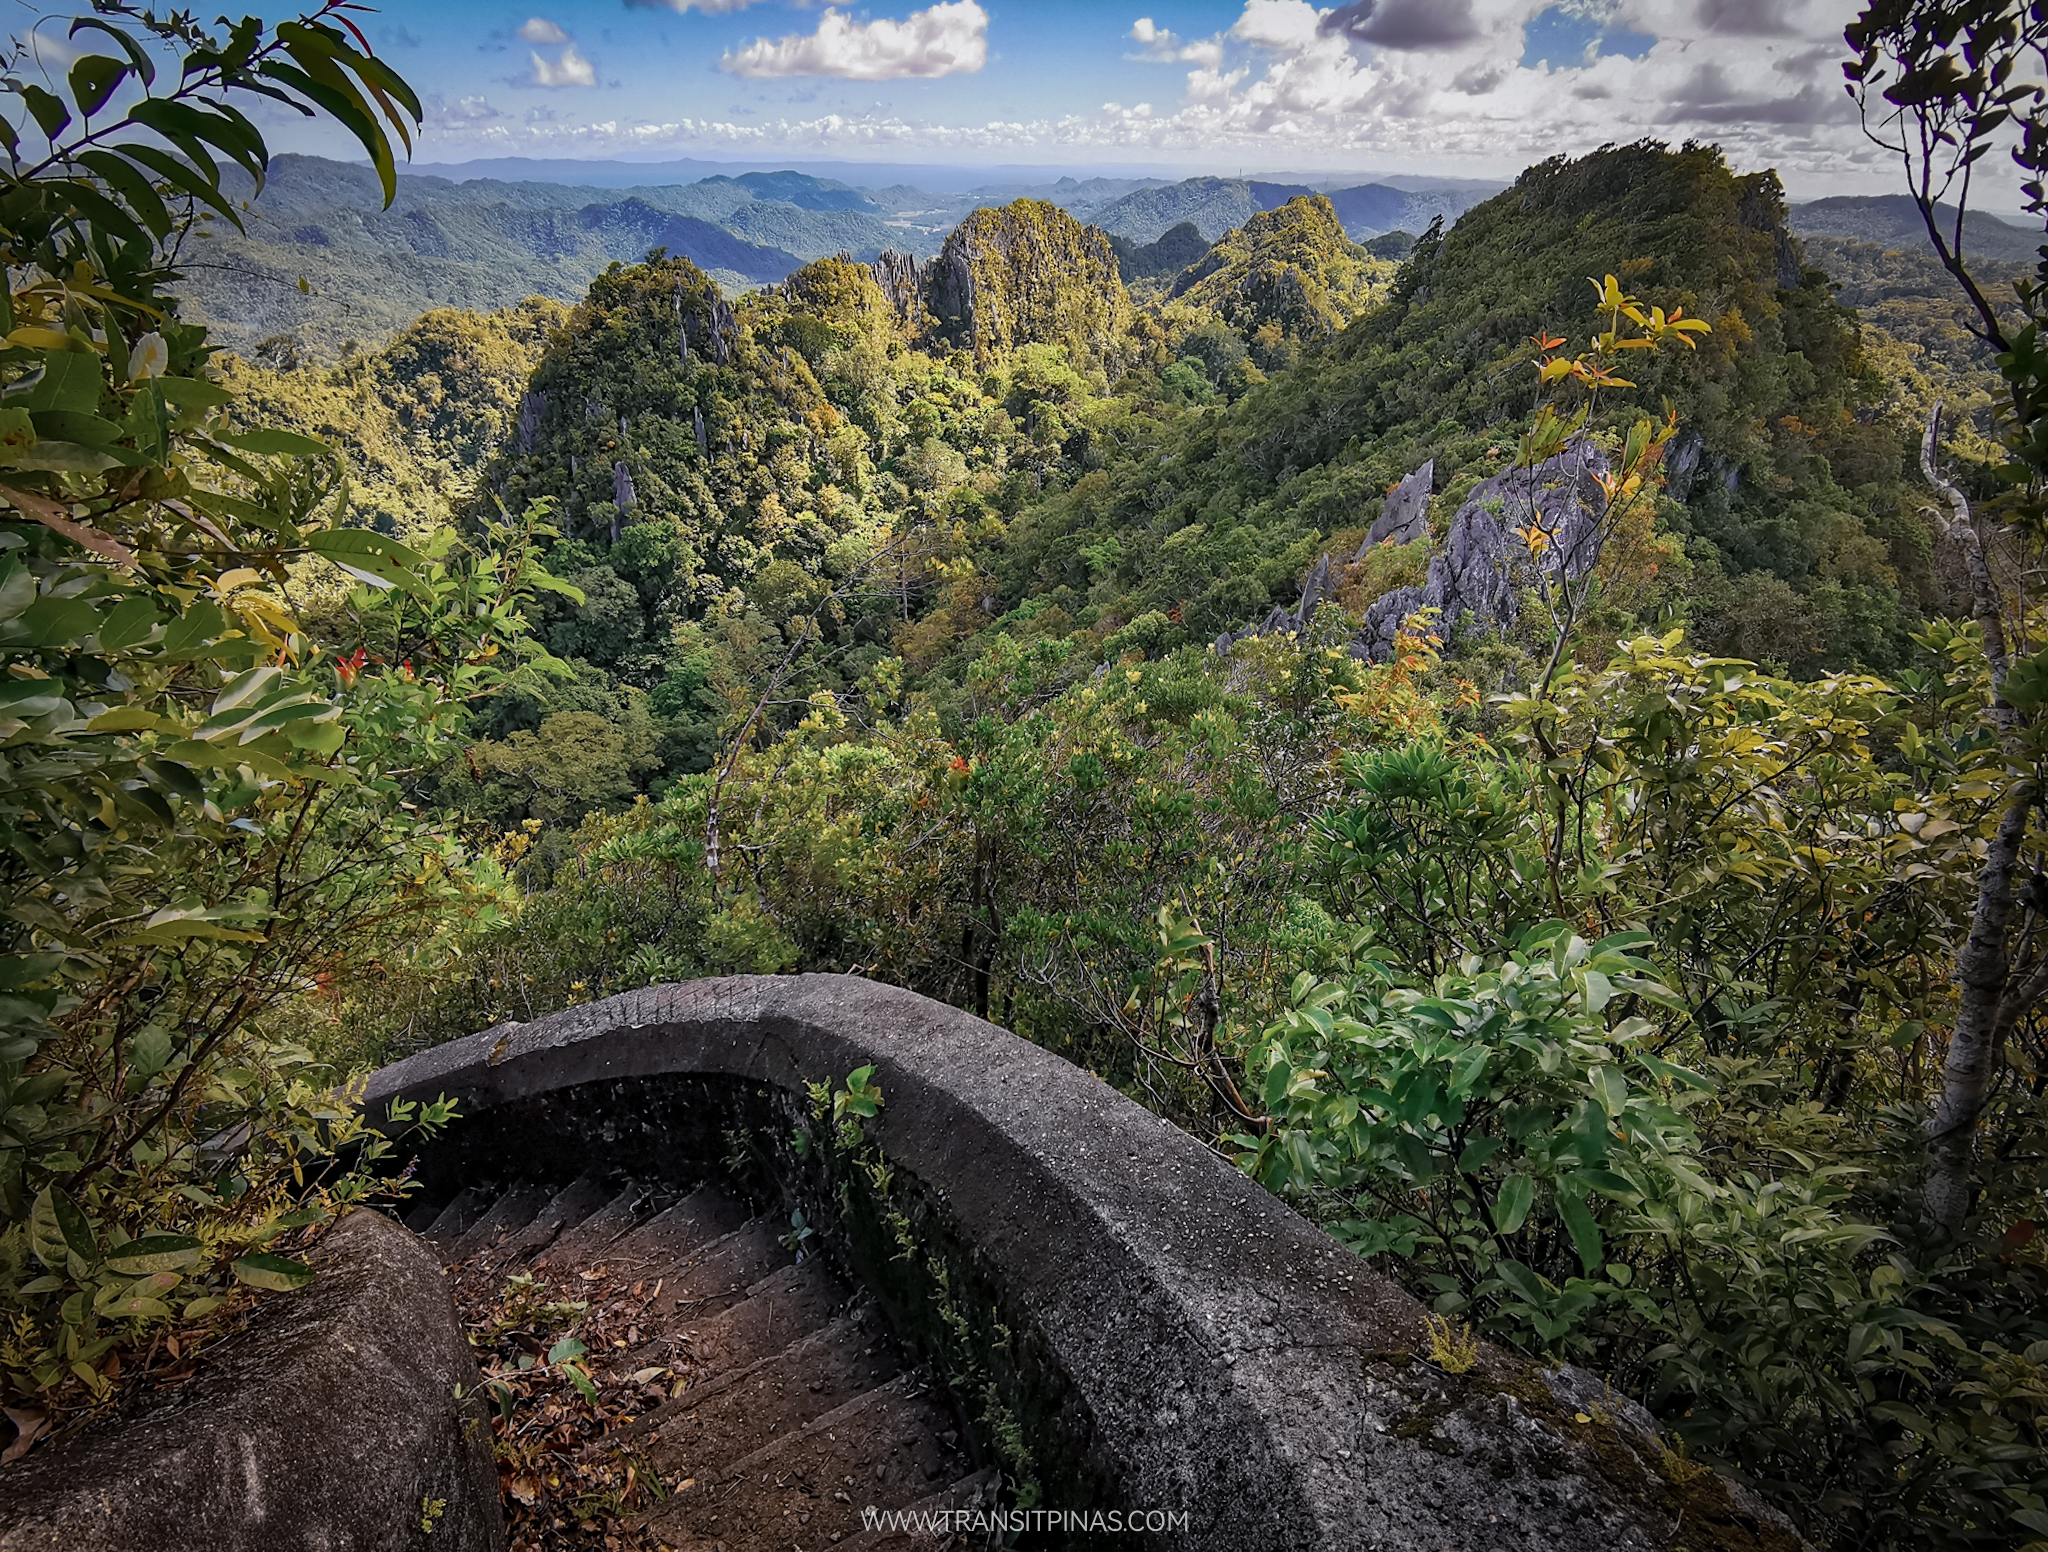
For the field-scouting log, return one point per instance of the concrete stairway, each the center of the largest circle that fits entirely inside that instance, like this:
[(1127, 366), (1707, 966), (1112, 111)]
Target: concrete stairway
[(747, 1400)]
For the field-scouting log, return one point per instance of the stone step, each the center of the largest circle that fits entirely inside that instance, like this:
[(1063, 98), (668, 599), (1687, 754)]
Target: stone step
[(511, 1212), (686, 1228), (573, 1205), (769, 1409), (885, 1448), (723, 1419), (789, 1303), (578, 1244), (457, 1218), (489, 1266), (711, 1277)]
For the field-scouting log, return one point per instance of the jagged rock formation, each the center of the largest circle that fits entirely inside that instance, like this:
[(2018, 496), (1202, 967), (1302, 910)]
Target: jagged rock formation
[(1293, 621), (1029, 273), (532, 405), (1476, 579), (878, 302), (1404, 517), (896, 273), (1292, 267), (1485, 562)]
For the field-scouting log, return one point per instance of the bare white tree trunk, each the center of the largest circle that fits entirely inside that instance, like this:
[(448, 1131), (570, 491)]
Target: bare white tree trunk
[(1991, 997)]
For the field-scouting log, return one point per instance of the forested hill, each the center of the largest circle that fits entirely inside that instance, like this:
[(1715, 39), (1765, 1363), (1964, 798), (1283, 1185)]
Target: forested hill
[(1058, 462), (1800, 541)]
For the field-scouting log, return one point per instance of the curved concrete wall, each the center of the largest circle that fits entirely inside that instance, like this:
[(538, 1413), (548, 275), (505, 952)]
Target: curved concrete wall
[(1231, 1362)]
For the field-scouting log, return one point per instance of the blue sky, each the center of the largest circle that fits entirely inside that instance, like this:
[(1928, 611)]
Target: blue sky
[(1457, 87)]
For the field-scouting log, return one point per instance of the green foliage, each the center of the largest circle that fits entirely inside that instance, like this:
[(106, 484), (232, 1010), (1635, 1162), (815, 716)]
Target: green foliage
[(1029, 273), (1168, 254), (1290, 270), (205, 816)]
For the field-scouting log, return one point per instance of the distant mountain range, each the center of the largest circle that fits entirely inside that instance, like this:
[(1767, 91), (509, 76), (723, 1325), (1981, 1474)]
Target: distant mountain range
[(322, 262), (1893, 221), (1219, 205)]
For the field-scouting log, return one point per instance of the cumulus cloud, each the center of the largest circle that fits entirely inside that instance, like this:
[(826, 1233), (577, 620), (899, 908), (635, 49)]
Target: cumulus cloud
[(567, 69), (1300, 85), (462, 113), (1688, 21), (538, 29), (1158, 46), (947, 39), (1746, 18), (1405, 24), (681, 7)]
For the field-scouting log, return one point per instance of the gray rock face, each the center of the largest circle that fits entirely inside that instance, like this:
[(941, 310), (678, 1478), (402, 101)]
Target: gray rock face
[(1208, 1353), (896, 273), (725, 328), (1485, 561), (329, 1423), (1405, 515), (532, 406)]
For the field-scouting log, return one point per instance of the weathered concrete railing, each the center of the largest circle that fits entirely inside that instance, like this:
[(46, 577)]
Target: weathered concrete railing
[(1144, 1328), (330, 1422)]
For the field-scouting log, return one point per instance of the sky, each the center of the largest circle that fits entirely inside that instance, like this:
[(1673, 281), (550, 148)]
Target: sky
[(1472, 88)]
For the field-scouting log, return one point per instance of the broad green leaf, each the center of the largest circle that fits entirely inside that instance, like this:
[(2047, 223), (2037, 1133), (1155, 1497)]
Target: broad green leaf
[(49, 457), (1578, 1222), (282, 444), (273, 1273), (138, 1307), (155, 1253), (149, 1051), (123, 719), (193, 393), (1511, 1207), (94, 78), (58, 1230), (71, 381), (1610, 1088), (1523, 1282), (368, 556)]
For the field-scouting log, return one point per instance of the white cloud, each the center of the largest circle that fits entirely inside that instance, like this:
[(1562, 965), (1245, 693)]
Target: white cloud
[(946, 39), (570, 69), (463, 113), (538, 29), (708, 7), (1288, 89), (1158, 46)]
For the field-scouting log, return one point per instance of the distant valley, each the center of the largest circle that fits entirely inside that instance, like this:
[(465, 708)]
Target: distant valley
[(321, 266)]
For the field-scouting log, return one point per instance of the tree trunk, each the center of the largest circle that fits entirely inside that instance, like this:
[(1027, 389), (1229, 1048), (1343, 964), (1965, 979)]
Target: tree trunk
[(1990, 997), (1983, 972)]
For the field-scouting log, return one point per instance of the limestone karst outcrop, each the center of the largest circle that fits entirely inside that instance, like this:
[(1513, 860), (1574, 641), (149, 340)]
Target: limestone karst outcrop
[(1477, 575), (1029, 273)]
